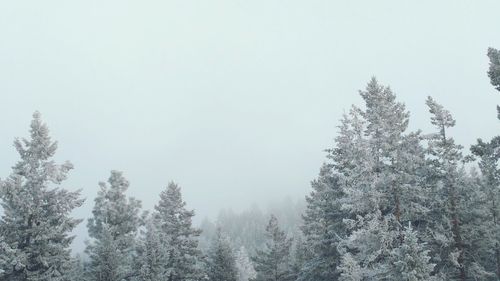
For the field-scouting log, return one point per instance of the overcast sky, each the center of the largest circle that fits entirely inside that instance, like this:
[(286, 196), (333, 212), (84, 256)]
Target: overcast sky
[(234, 100)]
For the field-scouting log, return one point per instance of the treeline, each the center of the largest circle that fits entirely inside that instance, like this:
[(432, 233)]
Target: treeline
[(388, 204), (248, 228)]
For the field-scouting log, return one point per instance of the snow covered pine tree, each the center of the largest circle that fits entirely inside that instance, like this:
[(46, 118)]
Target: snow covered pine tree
[(445, 157), (494, 71), (245, 267), (179, 237), (273, 263), (221, 265), (113, 230), (379, 167), (36, 224), (151, 253)]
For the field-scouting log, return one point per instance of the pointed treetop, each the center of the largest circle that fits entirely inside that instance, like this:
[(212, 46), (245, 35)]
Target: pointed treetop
[(36, 221), (383, 112), (171, 198), (39, 146), (441, 117)]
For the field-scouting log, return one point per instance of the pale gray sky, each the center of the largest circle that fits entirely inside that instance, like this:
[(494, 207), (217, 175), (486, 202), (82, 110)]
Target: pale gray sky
[(235, 100)]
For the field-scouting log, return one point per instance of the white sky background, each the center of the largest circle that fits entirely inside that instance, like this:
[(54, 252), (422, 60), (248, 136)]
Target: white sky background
[(234, 100)]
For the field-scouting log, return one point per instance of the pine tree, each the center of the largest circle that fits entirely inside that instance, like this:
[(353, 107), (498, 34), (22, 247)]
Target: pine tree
[(398, 157), (410, 261), (494, 71), (445, 157), (381, 172), (113, 229), (244, 266), (107, 262), (273, 262), (322, 229), (221, 260), (300, 254), (175, 224), (36, 223), (489, 157), (152, 254)]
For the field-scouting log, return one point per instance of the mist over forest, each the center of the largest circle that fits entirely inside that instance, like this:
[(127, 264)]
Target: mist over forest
[(249, 141)]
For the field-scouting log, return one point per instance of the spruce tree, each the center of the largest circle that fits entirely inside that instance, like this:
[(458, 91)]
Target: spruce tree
[(244, 266), (273, 262), (398, 157), (410, 261), (494, 70), (322, 229), (488, 154), (381, 172), (113, 229), (36, 224), (445, 157), (152, 254), (300, 254), (221, 260), (180, 238)]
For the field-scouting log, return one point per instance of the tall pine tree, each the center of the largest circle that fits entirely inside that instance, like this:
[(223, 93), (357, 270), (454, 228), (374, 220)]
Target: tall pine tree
[(151, 253), (273, 263), (322, 228), (113, 229), (180, 238), (445, 157), (221, 260), (381, 170), (489, 157), (245, 267), (36, 223)]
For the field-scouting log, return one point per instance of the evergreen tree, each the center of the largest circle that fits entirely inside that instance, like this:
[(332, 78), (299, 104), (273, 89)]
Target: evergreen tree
[(273, 262), (410, 261), (494, 70), (322, 229), (113, 229), (244, 266), (381, 172), (445, 157), (489, 156), (326, 205), (36, 222), (221, 260), (152, 255), (397, 157), (180, 238), (107, 262), (300, 254)]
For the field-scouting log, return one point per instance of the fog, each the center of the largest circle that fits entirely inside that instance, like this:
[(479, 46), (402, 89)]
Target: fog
[(233, 100)]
